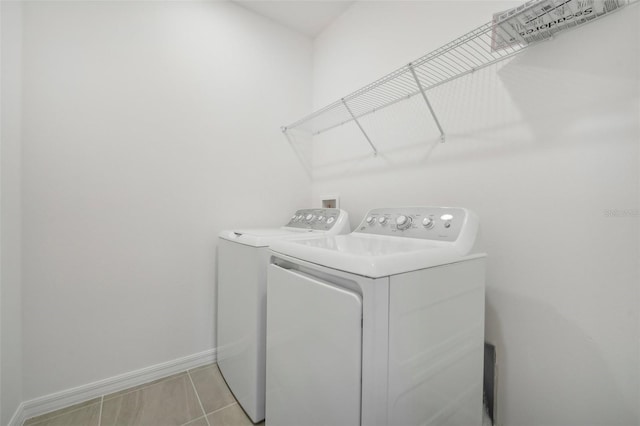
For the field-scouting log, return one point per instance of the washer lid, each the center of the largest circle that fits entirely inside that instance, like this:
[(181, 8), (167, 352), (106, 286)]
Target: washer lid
[(371, 255), (263, 237)]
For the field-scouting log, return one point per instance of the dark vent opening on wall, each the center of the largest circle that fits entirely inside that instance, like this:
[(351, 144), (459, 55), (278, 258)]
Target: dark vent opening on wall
[(490, 380)]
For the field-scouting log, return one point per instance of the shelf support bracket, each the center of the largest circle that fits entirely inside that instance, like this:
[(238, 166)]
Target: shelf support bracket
[(375, 151), (306, 162), (424, 96)]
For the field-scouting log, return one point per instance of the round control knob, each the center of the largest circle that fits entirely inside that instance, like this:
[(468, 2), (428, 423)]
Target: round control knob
[(331, 220), (370, 221), (427, 222), (403, 222), (309, 217), (382, 220)]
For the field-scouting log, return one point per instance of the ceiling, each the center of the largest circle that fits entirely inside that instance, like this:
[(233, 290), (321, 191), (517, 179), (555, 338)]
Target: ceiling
[(308, 17)]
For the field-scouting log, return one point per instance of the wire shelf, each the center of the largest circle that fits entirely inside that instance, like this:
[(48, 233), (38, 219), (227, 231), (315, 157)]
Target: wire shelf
[(508, 34)]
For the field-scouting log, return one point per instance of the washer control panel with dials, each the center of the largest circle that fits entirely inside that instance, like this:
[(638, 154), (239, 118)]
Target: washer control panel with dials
[(316, 219), (432, 223)]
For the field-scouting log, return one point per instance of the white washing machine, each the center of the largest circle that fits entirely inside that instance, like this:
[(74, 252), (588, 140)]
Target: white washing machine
[(243, 257), (383, 326)]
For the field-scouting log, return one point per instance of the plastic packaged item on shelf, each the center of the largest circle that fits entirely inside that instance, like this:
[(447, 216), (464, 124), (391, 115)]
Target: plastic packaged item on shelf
[(539, 19)]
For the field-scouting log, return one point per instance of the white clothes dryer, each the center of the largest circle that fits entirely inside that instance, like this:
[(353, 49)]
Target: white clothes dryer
[(243, 258), (383, 326)]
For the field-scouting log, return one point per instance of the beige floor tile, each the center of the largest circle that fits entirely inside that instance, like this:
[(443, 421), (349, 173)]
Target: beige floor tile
[(202, 421), (229, 416), (57, 413), (87, 415), (166, 403), (203, 367), (144, 385), (212, 389)]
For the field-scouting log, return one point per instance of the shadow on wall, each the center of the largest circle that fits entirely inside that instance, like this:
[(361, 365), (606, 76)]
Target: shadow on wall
[(536, 100), (302, 145), (549, 350), (562, 94)]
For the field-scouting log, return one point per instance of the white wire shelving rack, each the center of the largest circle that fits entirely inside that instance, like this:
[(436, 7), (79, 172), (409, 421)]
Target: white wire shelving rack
[(489, 43)]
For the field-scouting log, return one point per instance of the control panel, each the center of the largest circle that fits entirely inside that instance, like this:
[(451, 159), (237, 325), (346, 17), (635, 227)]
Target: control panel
[(316, 219), (432, 223)]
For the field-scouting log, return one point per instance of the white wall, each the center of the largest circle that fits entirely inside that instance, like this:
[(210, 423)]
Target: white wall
[(10, 219), (541, 147), (147, 128)]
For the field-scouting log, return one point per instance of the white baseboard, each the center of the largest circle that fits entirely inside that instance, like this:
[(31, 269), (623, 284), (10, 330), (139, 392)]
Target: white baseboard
[(18, 417), (66, 398)]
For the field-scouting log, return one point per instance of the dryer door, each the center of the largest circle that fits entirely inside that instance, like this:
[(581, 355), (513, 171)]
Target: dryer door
[(314, 351)]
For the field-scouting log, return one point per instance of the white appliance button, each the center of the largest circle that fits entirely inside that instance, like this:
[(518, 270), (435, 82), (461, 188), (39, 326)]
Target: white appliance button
[(370, 221), (427, 222), (403, 222), (321, 218), (331, 220), (382, 220), (309, 217), (447, 224)]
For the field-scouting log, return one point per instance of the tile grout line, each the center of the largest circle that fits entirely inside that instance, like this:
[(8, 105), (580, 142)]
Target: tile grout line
[(196, 419), (222, 408), (126, 391), (141, 387), (198, 397), (100, 415), (102, 397), (61, 414)]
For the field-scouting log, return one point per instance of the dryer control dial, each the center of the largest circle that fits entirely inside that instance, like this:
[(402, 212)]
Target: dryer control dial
[(403, 222), (382, 220), (428, 222), (370, 220), (309, 217)]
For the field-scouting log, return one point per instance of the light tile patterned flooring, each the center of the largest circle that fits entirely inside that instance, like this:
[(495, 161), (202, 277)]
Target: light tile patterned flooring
[(198, 397)]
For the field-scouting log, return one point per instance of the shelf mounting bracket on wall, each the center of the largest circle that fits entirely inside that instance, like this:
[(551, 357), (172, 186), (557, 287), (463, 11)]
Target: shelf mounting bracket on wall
[(426, 100), (375, 151)]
